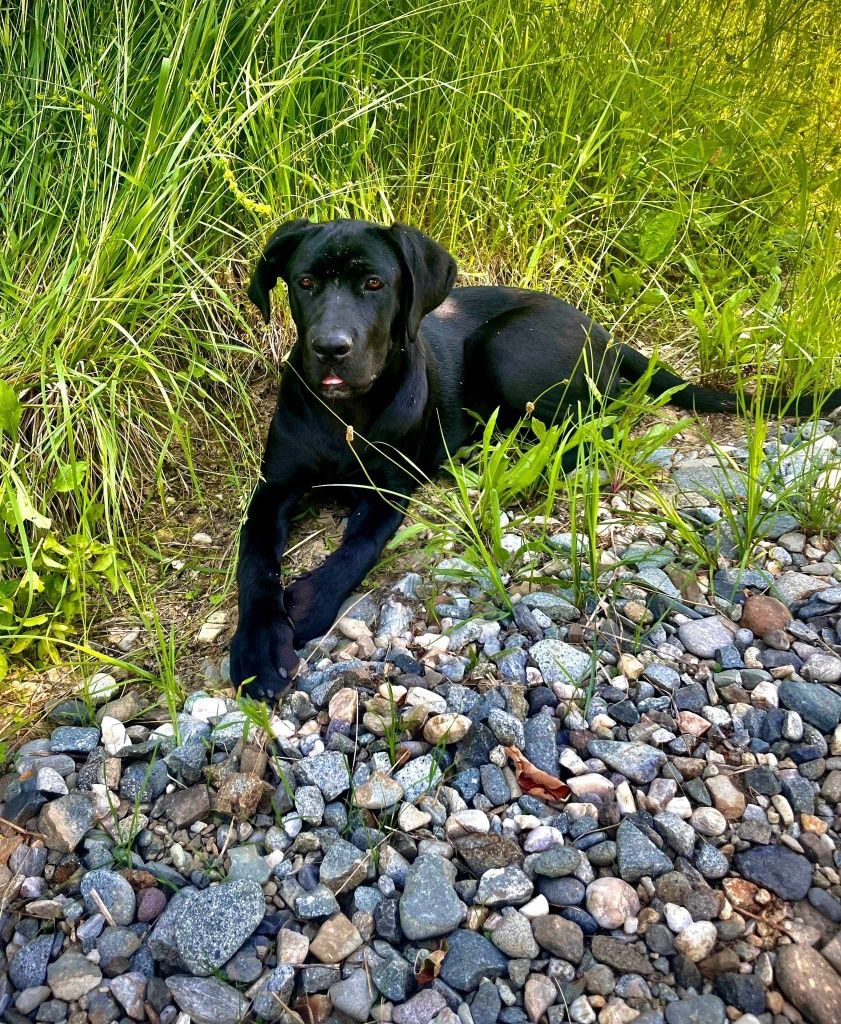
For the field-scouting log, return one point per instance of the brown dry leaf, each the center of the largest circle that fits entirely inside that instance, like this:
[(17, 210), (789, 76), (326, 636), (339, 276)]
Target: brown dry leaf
[(534, 781), (430, 966)]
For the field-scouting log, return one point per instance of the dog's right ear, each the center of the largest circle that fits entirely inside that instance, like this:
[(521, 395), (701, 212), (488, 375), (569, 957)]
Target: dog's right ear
[(272, 264)]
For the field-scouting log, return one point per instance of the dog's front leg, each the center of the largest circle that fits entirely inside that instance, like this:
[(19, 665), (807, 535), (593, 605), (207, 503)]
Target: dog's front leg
[(313, 601), (262, 650)]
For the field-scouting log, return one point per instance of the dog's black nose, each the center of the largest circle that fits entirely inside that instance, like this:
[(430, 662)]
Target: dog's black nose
[(332, 345)]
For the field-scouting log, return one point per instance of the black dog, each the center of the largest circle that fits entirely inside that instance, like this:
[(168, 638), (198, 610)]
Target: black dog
[(372, 355)]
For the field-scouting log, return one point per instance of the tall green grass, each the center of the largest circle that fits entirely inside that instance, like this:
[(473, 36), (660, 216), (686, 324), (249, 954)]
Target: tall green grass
[(669, 166)]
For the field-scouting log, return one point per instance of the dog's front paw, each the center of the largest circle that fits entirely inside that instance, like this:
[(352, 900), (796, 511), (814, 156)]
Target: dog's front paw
[(263, 659), (310, 611)]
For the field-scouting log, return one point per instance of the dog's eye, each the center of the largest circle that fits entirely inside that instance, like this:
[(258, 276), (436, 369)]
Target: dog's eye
[(305, 282), (373, 284)]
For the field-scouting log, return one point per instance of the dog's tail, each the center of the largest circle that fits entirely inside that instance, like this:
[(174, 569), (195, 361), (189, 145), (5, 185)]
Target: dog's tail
[(634, 365)]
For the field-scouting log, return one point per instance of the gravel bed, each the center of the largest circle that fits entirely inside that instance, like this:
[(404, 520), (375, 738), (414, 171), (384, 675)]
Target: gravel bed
[(626, 810)]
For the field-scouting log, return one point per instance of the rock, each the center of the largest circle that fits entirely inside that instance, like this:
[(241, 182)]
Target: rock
[(500, 887), (418, 777), (246, 864), (538, 995), (129, 990), (380, 791), (344, 867), (744, 991), (697, 940), (482, 852), (446, 729), (72, 975), (513, 936), (792, 587), (74, 739), (29, 965), (211, 926), (240, 794), (727, 797), (704, 637), (762, 614), (619, 955), (207, 1000), (114, 892), (696, 1010), (151, 905), (393, 977), (353, 996), (271, 1002), (420, 1009), (636, 761), (784, 872), (808, 981), (429, 906), (328, 771), (610, 902), (560, 662), (470, 958), (562, 938), (66, 821), (822, 668), (815, 704), (183, 807), (337, 938), (637, 855)]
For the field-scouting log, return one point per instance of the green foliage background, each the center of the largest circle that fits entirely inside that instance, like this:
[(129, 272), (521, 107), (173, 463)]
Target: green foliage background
[(672, 167)]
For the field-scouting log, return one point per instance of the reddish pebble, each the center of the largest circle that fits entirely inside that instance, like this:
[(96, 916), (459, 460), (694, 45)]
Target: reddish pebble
[(151, 905)]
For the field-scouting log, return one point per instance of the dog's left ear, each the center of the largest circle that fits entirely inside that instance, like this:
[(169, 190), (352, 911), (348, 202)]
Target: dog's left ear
[(272, 264), (429, 273)]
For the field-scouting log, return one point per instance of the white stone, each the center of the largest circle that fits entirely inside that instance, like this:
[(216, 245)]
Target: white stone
[(610, 901), (697, 941), (114, 735), (677, 918)]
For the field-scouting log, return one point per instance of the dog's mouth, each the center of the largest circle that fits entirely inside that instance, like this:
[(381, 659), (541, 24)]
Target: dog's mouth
[(334, 385)]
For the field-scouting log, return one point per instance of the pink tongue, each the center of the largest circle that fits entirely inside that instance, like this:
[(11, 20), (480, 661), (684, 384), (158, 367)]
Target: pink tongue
[(332, 379)]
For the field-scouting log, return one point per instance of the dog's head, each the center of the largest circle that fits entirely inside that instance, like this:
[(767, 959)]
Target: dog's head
[(357, 291)]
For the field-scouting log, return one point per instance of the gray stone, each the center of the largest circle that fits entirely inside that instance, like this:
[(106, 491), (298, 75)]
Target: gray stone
[(470, 958), (513, 935), (29, 965), (276, 990), (328, 771), (677, 833), (815, 704), (638, 857), (64, 822), (421, 1008), (636, 761), (429, 906), (418, 777), (777, 868), (560, 662), (541, 739), (696, 1010), (211, 926), (344, 867), (704, 637), (503, 887), (74, 739), (507, 729), (393, 977), (353, 996), (247, 864), (72, 976), (207, 1000), (114, 891)]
